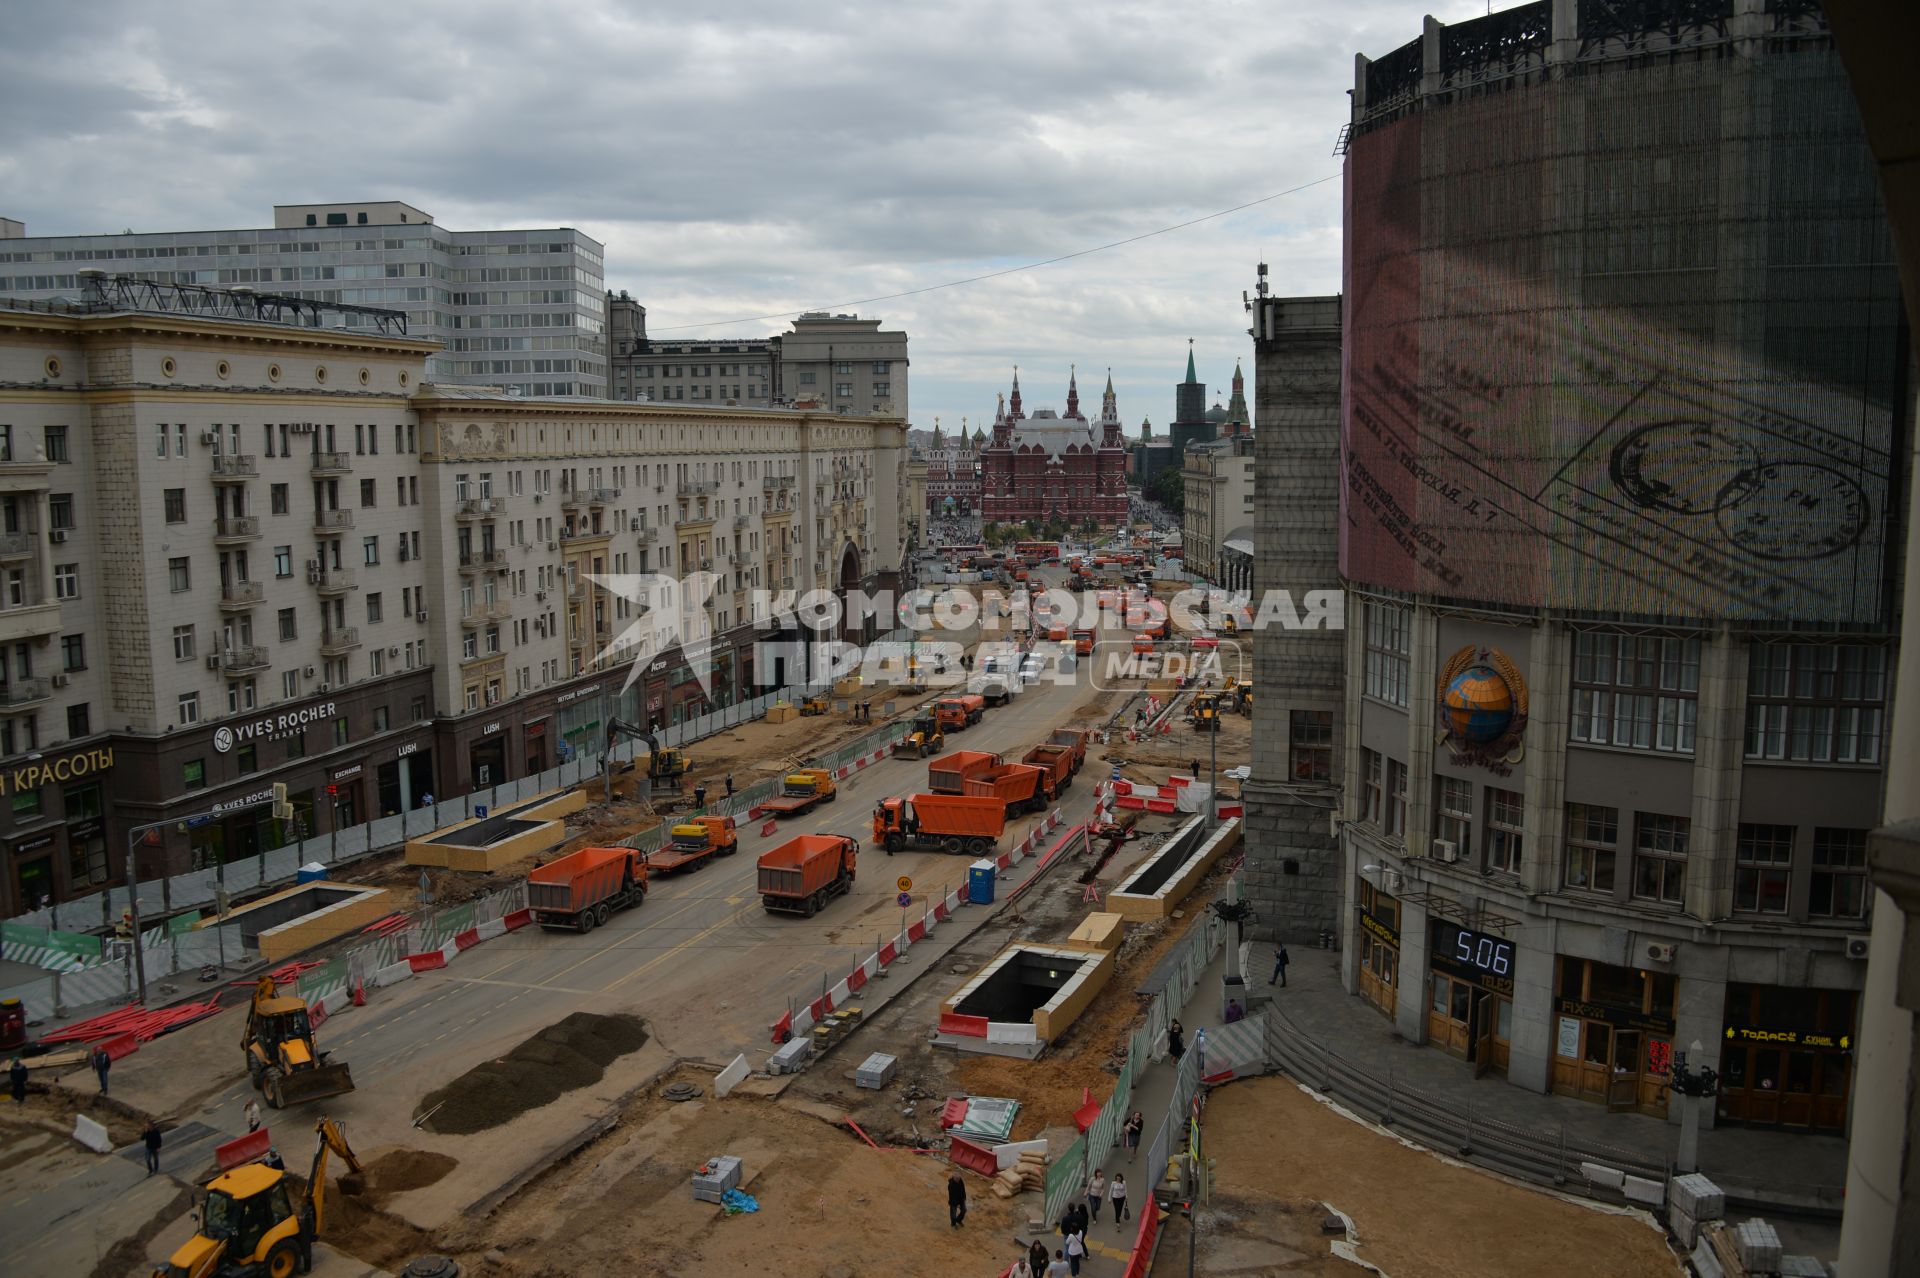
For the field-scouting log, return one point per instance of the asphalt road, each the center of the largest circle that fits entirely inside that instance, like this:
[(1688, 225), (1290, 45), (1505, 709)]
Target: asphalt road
[(701, 960)]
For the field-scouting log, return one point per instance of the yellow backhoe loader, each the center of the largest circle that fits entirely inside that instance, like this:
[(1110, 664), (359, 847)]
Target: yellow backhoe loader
[(252, 1225), (282, 1060)]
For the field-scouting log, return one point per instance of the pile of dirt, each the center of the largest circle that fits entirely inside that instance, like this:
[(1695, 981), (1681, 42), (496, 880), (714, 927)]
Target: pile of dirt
[(357, 1226), (395, 1172), (567, 1055)]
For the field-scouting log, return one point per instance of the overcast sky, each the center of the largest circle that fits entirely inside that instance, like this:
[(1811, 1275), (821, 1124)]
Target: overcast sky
[(777, 158)]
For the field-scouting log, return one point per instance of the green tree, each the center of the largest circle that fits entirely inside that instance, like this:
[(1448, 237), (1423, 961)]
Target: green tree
[(1169, 489)]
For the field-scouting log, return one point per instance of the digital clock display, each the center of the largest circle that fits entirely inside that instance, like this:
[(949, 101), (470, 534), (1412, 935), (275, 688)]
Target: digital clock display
[(1490, 954)]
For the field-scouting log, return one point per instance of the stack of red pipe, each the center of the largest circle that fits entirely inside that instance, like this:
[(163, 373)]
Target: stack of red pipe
[(140, 1022)]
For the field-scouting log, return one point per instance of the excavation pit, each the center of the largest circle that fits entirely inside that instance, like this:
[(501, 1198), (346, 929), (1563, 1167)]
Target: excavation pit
[(1025, 997), (510, 834), (301, 917)]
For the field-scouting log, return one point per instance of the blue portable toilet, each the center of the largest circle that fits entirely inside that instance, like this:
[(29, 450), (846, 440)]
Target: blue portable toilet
[(311, 872), (980, 876)]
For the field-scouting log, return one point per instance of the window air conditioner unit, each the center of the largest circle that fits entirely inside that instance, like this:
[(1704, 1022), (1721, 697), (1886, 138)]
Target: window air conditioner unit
[(308, 672), (536, 499), (1662, 951), (326, 687), (213, 661), (209, 436), (57, 536), (61, 681), (300, 428), (539, 596), (393, 650), (421, 615), (1857, 946), (1444, 850), (553, 545)]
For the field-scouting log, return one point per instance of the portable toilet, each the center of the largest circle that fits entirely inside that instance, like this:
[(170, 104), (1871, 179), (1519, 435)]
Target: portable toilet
[(980, 876), (311, 872)]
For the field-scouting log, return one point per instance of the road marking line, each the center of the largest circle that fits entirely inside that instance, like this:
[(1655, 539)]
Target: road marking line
[(520, 985), (650, 964)]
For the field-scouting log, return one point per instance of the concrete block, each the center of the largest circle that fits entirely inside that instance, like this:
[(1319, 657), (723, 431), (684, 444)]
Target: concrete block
[(792, 1056), (720, 1174), (1685, 1229), (1803, 1267), (1639, 1189), (876, 1071), (730, 1077), (1609, 1177), (92, 1134), (1705, 1262)]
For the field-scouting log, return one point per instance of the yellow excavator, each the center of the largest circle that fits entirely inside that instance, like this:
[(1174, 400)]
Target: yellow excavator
[(924, 739), (252, 1226), (282, 1061)]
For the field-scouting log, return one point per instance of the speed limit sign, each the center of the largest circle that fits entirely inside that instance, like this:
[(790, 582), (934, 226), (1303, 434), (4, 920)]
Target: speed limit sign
[(904, 883)]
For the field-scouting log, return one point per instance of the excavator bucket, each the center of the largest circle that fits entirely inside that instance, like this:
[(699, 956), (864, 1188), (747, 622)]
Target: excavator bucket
[(311, 1084)]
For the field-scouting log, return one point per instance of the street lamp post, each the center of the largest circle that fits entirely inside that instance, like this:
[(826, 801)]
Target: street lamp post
[(134, 836), (1695, 1086)]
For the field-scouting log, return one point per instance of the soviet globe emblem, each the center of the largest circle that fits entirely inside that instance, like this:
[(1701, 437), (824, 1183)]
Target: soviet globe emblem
[(1478, 705), (1684, 467)]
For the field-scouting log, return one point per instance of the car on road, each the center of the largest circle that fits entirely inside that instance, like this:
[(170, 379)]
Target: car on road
[(1032, 668)]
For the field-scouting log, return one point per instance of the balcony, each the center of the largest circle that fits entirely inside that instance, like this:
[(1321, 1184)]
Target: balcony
[(30, 621), (332, 521), (602, 496), (480, 508), (646, 534), (472, 561), (340, 641), (239, 596), (331, 464), (741, 521), (776, 483), (577, 592), (334, 581), (19, 694), (699, 487), (236, 528), (234, 468), (17, 545), (570, 499), (470, 661), (245, 659), (479, 614)]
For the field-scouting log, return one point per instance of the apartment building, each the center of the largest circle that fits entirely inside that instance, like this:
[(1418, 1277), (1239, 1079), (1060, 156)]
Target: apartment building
[(520, 310), (237, 552), (1217, 483), (841, 363)]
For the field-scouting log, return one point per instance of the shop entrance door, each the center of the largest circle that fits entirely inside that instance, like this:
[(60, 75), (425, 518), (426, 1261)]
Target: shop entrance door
[(1623, 1083), (1482, 1054)]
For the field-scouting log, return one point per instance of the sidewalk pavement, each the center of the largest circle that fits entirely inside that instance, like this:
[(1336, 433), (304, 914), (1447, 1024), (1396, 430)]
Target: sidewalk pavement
[(1792, 1169)]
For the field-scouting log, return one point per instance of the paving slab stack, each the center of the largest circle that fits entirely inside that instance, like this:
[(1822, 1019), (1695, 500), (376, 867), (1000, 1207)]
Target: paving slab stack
[(1758, 1245), (876, 1071), (792, 1056), (711, 1184), (1693, 1201)]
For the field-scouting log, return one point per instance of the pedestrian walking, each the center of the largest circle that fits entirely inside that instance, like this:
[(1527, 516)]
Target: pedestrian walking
[(1037, 1258), (1022, 1267), (1118, 1192), (1234, 1012), (150, 1136), (729, 785), (1057, 1267), (251, 1112), (1280, 961), (1076, 1251), (956, 1200), (273, 1160), (17, 1080), (101, 1064), (1136, 1123), (1176, 1043), (1196, 769), (1096, 1190)]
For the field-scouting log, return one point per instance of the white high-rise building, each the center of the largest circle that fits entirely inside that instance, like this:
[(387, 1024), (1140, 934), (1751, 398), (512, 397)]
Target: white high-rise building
[(521, 310)]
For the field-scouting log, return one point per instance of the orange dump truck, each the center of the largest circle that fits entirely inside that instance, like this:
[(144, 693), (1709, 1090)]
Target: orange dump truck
[(1016, 786), (1074, 739), (581, 889), (1083, 642), (1056, 760), (949, 775), (803, 874), (960, 712), (939, 823), (801, 791)]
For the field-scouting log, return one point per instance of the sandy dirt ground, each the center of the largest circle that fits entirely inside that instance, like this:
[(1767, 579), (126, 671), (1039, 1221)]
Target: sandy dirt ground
[(1278, 1154)]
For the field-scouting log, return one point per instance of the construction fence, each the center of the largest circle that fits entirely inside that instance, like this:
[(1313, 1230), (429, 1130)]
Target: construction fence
[(199, 889)]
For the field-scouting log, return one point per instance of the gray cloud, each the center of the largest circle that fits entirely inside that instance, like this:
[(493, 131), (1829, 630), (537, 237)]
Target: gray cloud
[(750, 159)]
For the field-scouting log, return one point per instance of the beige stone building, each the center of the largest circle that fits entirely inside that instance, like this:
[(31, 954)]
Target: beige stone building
[(1218, 483), (238, 550)]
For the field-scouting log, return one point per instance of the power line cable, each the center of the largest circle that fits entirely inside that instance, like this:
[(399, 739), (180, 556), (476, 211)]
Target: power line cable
[(1011, 270)]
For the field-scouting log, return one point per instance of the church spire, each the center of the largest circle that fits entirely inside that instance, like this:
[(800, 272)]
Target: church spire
[(1073, 391), (1013, 410), (1192, 377), (1109, 403)]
